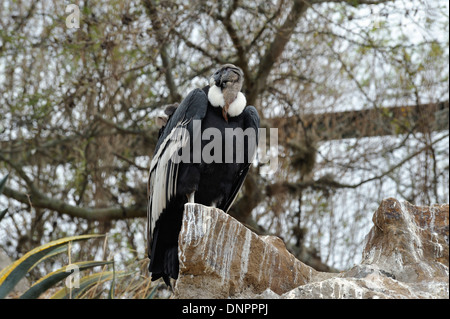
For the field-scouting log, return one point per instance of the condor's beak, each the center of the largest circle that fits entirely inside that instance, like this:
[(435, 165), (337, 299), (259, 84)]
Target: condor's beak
[(224, 112), (222, 77), (218, 79)]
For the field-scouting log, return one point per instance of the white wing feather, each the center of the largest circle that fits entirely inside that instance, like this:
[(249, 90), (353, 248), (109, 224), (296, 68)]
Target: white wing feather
[(163, 175)]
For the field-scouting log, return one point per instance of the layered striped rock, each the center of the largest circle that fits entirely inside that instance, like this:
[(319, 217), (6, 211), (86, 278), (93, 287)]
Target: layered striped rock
[(409, 242), (220, 257), (406, 256)]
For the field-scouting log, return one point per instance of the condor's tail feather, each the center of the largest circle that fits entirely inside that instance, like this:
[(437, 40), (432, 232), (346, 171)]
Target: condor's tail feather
[(164, 255), (167, 266), (163, 252), (163, 259)]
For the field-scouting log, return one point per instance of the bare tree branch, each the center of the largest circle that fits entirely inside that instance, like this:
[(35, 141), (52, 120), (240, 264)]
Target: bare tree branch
[(161, 37), (39, 200), (328, 182), (352, 2), (276, 48), (242, 61)]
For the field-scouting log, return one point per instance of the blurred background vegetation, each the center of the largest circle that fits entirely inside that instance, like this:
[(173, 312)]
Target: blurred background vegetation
[(358, 90)]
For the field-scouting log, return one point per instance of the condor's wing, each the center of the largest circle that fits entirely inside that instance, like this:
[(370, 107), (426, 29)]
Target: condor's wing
[(251, 120), (162, 182)]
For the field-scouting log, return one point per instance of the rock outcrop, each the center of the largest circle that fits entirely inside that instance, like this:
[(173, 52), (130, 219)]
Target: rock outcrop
[(405, 256)]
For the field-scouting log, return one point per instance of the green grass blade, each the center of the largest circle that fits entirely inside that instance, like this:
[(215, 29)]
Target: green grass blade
[(113, 283), (52, 278), (152, 292), (15, 272)]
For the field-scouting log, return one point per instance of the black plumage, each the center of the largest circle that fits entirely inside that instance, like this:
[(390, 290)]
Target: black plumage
[(196, 179)]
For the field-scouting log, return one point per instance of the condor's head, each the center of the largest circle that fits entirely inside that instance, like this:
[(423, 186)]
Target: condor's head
[(225, 90)]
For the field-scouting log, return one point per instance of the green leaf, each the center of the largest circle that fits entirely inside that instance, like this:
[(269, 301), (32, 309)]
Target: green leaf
[(86, 283), (2, 186), (58, 250), (3, 182), (52, 278), (51, 253), (12, 274), (3, 213)]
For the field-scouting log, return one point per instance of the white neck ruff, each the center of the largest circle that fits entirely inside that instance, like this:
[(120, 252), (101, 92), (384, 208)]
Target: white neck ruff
[(215, 97)]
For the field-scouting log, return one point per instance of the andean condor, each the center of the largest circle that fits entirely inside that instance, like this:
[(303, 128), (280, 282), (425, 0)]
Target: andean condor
[(194, 161)]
